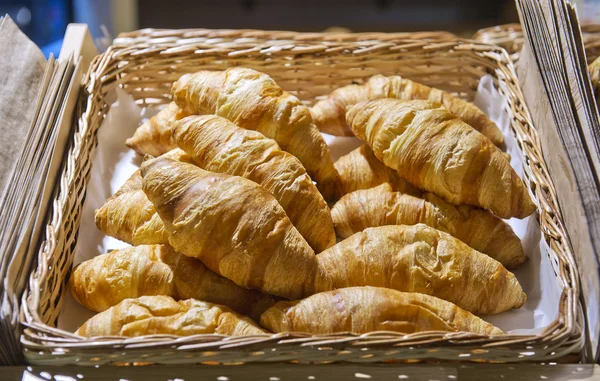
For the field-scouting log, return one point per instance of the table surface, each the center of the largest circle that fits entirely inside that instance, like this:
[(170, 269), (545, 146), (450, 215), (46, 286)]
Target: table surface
[(292, 372)]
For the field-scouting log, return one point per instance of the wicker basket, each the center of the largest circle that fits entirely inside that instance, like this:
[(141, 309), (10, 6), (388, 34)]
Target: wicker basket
[(146, 64), (511, 38)]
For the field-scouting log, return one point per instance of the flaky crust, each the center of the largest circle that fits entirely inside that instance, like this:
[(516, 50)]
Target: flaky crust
[(360, 169), (154, 137), (477, 228), (436, 151), (330, 113), (146, 270), (218, 145), (234, 226), (151, 315), (129, 216), (252, 100), (367, 309), (421, 259)]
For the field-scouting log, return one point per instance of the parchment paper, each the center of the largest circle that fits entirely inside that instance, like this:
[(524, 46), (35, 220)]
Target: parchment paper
[(19, 92), (22, 68), (113, 163)]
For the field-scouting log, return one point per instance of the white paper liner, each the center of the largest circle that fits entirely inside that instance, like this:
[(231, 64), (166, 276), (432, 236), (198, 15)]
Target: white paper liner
[(114, 163)]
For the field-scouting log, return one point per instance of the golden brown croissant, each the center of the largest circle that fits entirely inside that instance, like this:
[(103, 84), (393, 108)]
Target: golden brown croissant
[(154, 136), (330, 114), (421, 259), (146, 270), (360, 169), (152, 315), (436, 151), (367, 309), (232, 225), (128, 215), (252, 100), (477, 228), (218, 145)]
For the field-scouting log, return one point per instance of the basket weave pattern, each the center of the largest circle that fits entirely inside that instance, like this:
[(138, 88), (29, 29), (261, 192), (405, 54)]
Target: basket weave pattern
[(146, 63), (511, 38)]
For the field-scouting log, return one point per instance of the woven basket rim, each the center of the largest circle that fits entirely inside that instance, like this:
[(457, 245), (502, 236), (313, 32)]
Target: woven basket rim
[(566, 330), (283, 34), (513, 34), (516, 27), (503, 28)]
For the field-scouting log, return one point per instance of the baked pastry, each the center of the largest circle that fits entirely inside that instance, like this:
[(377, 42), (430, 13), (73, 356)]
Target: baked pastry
[(152, 315), (330, 114), (380, 206), (232, 225), (367, 309), (129, 216), (420, 259), (218, 145), (437, 152), (146, 270), (252, 100), (360, 169), (154, 136)]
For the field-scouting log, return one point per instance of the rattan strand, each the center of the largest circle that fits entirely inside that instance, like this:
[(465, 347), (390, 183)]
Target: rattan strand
[(308, 65), (511, 38)]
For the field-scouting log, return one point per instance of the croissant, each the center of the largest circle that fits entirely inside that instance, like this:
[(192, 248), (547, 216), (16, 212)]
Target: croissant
[(438, 152), (360, 169), (152, 315), (421, 259), (108, 279), (232, 225), (367, 309), (252, 100), (477, 228), (330, 114), (129, 216), (154, 136), (218, 145)]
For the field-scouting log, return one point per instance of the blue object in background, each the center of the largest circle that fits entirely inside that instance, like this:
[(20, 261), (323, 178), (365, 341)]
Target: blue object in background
[(52, 48), (44, 21)]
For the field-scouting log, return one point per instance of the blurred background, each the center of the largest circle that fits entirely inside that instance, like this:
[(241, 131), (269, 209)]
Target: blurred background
[(45, 21)]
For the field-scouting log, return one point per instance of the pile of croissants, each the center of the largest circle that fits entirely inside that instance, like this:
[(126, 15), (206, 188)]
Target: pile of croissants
[(231, 228)]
